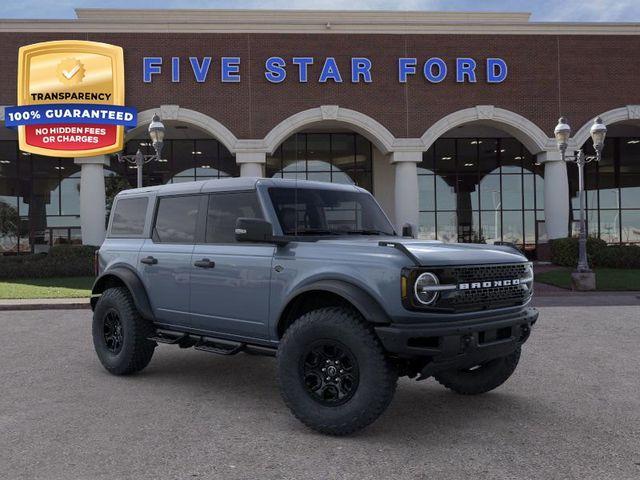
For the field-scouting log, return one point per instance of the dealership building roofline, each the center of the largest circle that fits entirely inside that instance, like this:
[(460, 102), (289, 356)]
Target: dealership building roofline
[(311, 21)]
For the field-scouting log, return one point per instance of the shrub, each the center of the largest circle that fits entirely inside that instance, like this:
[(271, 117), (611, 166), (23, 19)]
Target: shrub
[(564, 252), (61, 261), (618, 256)]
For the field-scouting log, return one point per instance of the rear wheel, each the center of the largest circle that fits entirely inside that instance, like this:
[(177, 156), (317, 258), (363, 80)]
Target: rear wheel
[(480, 378), (120, 334), (333, 373)]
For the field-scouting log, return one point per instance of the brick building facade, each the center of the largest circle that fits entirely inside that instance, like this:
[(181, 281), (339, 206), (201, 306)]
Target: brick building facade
[(464, 156)]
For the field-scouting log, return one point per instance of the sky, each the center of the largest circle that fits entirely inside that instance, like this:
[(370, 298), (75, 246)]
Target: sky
[(542, 10)]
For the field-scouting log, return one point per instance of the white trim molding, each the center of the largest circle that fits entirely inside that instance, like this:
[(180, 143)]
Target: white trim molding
[(622, 114), (531, 136), (373, 130), (199, 21), (192, 117)]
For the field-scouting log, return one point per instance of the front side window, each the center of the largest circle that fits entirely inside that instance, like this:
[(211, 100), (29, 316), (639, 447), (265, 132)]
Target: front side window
[(224, 209), (308, 211), (176, 219), (128, 216)]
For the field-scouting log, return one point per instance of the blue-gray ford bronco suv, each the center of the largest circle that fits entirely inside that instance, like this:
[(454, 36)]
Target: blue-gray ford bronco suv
[(314, 274)]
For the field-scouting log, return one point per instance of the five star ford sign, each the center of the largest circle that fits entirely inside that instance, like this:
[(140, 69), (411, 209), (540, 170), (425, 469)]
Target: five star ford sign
[(70, 99)]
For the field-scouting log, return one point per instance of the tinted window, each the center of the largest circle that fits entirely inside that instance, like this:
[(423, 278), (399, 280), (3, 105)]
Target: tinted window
[(128, 216), (308, 211), (176, 219), (224, 210)]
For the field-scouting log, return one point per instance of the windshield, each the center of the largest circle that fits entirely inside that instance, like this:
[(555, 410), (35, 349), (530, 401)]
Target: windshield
[(311, 211)]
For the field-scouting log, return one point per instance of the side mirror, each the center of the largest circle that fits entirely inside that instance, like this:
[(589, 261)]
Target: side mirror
[(254, 230), (407, 230)]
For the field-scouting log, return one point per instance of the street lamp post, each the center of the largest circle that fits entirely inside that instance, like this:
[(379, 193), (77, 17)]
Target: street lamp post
[(562, 133), (156, 133)]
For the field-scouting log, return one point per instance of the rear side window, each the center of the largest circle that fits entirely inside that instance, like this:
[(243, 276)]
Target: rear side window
[(176, 219), (128, 216), (224, 209)]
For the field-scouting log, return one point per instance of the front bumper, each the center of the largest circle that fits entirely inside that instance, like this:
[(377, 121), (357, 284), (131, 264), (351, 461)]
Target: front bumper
[(458, 344)]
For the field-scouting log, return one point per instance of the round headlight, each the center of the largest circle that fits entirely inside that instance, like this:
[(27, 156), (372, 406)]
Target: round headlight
[(422, 288), (528, 277)]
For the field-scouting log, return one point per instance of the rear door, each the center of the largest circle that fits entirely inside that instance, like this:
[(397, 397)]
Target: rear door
[(165, 258), (230, 280)]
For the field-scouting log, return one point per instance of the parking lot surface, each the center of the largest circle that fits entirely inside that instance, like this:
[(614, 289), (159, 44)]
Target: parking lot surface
[(571, 410)]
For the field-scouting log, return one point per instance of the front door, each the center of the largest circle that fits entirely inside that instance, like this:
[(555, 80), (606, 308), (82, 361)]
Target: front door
[(165, 259), (229, 280)]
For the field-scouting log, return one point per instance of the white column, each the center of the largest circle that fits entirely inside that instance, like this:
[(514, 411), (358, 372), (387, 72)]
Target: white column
[(406, 189), (92, 199), (556, 194), (251, 163)]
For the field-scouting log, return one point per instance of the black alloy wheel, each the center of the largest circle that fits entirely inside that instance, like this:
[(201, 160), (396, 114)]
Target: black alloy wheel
[(330, 372), (334, 375), (112, 331)]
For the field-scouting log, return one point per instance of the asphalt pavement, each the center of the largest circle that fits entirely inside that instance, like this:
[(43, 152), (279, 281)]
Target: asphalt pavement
[(571, 410)]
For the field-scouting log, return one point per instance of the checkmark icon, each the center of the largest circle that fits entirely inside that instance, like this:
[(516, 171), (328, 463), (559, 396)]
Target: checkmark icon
[(71, 73)]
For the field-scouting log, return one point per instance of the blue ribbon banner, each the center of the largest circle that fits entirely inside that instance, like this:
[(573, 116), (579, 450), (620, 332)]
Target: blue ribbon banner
[(70, 113)]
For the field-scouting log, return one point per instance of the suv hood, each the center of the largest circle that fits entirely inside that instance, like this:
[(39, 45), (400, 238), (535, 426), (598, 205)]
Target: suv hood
[(436, 253)]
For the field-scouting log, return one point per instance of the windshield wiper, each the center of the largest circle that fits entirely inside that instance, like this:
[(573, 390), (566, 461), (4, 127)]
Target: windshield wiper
[(366, 232), (312, 231)]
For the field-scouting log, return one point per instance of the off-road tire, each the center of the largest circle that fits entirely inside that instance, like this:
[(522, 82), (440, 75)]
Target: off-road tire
[(377, 377), (135, 350), (480, 380)]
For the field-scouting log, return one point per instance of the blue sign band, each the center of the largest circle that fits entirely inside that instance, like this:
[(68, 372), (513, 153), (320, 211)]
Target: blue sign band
[(70, 113)]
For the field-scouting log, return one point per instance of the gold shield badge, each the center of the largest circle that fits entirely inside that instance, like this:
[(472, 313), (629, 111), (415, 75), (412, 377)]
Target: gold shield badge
[(72, 89)]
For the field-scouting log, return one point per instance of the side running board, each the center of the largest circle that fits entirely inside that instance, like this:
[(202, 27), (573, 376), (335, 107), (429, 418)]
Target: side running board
[(220, 346)]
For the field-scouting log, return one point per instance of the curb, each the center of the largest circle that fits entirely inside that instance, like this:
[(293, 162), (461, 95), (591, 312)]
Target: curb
[(44, 304)]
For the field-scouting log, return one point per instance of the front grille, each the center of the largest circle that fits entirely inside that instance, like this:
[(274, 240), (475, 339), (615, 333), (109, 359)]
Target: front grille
[(475, 299), (479, 273)]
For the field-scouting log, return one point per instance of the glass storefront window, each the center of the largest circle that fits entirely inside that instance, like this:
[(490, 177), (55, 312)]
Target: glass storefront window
[(326, 157), (445, 194), (512, 192), (182, 163), (612, 191), (491, 224), (630, 224), (609, 225), (70, 196), (512, 227), (8, 159), (490, 192), (630, 190), (427, 194), (447, 227), (42, 194), (427, 227), (480, 190)]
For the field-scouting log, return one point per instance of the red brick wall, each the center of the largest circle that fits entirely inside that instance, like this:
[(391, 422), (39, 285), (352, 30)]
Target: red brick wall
[(578, 76)]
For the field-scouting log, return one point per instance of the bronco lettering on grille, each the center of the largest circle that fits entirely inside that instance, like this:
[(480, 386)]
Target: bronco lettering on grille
[(488, 284)]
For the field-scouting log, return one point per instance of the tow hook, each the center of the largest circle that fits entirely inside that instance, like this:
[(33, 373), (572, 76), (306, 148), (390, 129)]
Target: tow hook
[(525, 331)]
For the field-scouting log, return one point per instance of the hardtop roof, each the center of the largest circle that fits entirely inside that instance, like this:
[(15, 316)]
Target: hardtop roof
[(231, 184)]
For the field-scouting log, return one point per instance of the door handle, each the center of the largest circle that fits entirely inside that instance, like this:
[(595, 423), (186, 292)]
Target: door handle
[(149, 260), (204, 263)]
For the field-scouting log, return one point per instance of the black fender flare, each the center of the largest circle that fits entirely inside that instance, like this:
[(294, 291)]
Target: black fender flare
[(369, 307), (133, 283)]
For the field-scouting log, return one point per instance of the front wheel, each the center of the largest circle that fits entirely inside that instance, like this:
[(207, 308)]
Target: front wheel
[(333, 373), (480, 378)]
